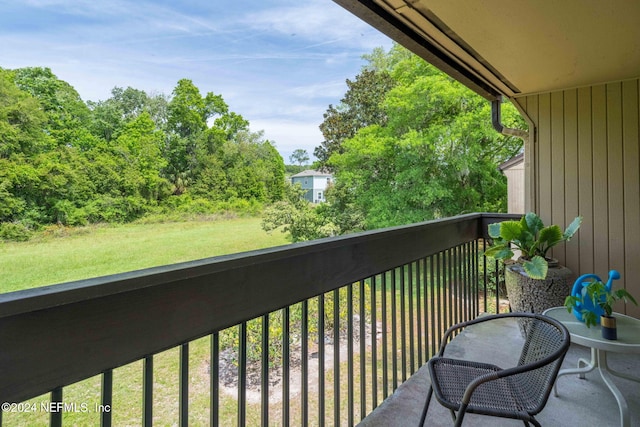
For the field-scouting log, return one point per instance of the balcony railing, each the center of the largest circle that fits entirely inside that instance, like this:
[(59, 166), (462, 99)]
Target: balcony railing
[(318, 332)]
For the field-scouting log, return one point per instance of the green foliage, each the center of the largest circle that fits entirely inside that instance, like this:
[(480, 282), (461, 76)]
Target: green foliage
[(360, 107), (22, 121), (423, 148), (532, 238), (68, 115), (406, 144), (296, 216), (66, 162), (304, 221), (605, 299), (299, 156), (14, 231)]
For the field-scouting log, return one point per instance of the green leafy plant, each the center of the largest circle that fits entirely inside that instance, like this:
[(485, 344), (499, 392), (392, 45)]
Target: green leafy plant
[(533, 240), (597, 292)]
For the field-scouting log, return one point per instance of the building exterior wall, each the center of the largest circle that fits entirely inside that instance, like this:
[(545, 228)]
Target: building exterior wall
[(586, 161), (306, 183), (320, 184), (315, 186), (515, 187)]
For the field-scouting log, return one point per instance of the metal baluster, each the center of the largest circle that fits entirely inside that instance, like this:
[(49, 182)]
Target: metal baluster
[(214, 384), (286, 330), (484, 277), (350, 381), (374, 346), (432, 329), (242, 376), (184, 385), (363, 381), (385, 349), (412, 361), (442, 295), (321, 388), (55, 418), (304, 369), (394, 327), (107, 398), (418, 314), (336, 357), (403, 323), (497, 285), (264, 389)]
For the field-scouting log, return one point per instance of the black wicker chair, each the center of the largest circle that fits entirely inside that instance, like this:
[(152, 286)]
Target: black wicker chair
[(518, 392)]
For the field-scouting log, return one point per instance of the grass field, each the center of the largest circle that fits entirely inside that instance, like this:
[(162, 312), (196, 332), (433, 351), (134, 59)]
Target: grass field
[(63, 255), (66, 255)]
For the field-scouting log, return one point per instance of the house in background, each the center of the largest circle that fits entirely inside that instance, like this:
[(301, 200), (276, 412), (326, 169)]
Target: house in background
[(513, 169), (314, 182)]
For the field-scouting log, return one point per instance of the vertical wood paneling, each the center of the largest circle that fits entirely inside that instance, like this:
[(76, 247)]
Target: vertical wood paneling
[(600, 187), (586, 161), (585, 183), (557, 170), (615, 177), (544, 163), (631, 159), (571, 176)]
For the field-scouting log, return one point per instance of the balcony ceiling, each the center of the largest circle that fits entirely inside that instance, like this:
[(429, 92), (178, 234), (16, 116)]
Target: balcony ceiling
[(515, 47)]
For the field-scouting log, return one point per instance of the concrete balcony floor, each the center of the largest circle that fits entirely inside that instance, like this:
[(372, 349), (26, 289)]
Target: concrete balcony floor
[(581, 402)]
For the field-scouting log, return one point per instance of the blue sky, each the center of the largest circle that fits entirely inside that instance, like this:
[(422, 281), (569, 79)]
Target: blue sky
[(279, 63)]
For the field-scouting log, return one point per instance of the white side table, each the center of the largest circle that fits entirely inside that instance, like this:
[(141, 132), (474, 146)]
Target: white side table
[(628, 342)]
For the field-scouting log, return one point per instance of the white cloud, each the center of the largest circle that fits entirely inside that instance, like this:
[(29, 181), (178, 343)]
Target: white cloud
[(326, 89), (316, 20), (289, 136)]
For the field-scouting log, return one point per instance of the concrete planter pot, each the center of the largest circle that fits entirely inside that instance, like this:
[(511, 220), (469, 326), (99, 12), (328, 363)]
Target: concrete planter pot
[(536, 295)]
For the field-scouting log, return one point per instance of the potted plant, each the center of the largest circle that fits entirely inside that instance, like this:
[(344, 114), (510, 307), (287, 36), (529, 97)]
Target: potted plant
[(594, 294), (531, 285)]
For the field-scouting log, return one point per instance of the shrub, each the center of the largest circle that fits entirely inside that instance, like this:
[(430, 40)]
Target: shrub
[(14, 231), (67, 213)]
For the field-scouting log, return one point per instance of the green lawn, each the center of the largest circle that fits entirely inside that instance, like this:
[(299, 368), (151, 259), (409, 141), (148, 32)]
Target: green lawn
[(99, 251)]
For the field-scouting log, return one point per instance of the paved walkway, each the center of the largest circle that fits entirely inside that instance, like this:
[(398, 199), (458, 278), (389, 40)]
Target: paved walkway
[(583, 403)]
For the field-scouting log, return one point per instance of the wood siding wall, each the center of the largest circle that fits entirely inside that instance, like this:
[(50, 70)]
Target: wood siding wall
[(586, 161)]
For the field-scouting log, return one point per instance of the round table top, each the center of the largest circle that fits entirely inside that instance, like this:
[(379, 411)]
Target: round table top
[(628, 332)]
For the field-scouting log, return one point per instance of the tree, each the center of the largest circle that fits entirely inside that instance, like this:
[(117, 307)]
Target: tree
[(64, 161), (299, 156), (141, 143), (436, 155), (22, 120), (108, 117), (189, 138), (248, 167), (360, 107), (68, 115), (296, 216)]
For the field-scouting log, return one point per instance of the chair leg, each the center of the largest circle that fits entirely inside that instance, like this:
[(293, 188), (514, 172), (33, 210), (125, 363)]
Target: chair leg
[(461, 412), (423, 418)]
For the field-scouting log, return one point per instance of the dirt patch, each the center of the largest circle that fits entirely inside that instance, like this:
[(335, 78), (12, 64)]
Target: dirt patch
[(228, 369)]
